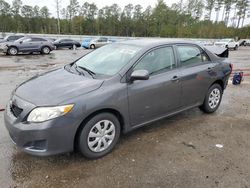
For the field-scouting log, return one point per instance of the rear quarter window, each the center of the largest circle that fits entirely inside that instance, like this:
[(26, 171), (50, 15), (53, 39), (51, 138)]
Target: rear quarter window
[(191, 55)]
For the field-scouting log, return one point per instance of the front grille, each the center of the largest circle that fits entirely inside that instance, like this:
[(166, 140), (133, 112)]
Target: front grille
[(15, 110)]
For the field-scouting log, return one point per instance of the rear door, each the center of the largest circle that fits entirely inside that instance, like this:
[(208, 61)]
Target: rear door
[(197, 74), (36, 43), (160, 95)]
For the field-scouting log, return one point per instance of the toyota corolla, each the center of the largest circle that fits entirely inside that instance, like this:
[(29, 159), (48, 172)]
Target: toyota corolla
[(115, 89)]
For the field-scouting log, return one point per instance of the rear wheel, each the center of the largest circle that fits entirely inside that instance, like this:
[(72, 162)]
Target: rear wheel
[(12, 51), (99, 135), (45, 50), (213, 99)]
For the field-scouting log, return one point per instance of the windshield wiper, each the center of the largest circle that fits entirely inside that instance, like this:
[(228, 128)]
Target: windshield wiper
[(77, 69), (87, 70)]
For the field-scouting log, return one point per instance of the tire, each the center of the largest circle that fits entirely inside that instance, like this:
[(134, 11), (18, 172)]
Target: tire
[(91, 141), (92, 46), (213, 99), (12, 51), (236, 47), (45, 50)]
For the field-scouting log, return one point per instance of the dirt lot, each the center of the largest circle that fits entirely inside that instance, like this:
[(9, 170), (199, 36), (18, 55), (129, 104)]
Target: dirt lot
[(176, 152)]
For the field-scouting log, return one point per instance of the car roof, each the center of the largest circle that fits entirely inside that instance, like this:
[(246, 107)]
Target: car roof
[(156, 42)]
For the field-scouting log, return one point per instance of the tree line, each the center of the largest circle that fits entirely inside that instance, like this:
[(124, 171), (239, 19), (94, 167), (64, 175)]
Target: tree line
[(187, 18)]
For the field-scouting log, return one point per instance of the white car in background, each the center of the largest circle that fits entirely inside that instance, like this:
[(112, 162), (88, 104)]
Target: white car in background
[(227, 43)]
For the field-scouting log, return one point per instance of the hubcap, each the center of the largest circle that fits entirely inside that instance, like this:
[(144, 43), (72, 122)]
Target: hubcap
[(46, 50), (13, 51), (101, 136), (214, 98)]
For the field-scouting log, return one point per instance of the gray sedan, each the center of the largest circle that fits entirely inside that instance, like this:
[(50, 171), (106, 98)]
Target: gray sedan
[(117, 88), (27, 45)]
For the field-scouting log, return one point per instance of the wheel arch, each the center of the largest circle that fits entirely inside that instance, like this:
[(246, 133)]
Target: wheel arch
[(12, 46), (220, 82), (104, 110), (45, 46)]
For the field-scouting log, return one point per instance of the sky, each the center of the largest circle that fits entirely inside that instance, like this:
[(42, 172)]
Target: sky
[(101, 3)]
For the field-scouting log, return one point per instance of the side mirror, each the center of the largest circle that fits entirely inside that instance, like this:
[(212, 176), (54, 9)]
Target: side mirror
[(21, 42), (139, 75)]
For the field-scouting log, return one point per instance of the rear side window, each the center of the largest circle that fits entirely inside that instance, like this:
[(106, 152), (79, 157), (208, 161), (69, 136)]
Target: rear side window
[(157, 61), (38, 39), (189, 55)]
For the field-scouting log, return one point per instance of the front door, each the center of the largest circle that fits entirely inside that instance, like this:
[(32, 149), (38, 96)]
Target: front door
[(158, 96)]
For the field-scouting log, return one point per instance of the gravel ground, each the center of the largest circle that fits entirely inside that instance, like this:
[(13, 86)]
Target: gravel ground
[(176, 152)]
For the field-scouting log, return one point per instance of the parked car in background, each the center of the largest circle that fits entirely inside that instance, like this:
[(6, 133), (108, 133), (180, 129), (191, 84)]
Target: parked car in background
[(247, 43), (27, 45), (114, 89), (11, 38), (99, 42), (66, 43), (227, 43), (242, 42)]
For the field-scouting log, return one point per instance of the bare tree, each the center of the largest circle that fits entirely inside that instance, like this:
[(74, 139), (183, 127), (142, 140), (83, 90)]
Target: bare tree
[(58, 2)]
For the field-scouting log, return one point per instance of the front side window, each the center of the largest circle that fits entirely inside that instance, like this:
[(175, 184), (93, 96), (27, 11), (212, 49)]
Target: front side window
[(109, 59), (157, 61), (12, 38), (189, 55), (27, 40)]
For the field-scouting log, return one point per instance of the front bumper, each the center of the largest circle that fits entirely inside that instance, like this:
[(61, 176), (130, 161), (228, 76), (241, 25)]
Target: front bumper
[(4, 49), (41, 139)]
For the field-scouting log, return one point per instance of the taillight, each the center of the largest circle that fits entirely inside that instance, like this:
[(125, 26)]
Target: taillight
[(231, 67)]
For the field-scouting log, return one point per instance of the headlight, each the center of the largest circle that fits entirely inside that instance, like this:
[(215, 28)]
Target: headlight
[(41, 114)]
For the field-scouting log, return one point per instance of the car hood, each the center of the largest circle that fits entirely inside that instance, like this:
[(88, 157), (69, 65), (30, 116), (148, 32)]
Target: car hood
[(221, 43), (55, 87), (10, 43)]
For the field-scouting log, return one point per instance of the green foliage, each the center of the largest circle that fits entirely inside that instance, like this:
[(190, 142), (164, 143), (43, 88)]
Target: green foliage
[(184, 19)]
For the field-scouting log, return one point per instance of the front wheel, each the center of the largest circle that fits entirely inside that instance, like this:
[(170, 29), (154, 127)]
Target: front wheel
[(92, 46), (12, 51), (236, 47), (213, 99), (99, 136)]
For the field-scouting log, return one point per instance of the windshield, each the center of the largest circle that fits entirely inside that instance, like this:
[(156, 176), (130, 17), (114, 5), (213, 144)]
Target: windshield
[(57, 40), (109, 59)]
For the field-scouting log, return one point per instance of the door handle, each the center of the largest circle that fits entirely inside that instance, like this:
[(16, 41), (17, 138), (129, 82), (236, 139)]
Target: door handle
[(175, 79)]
